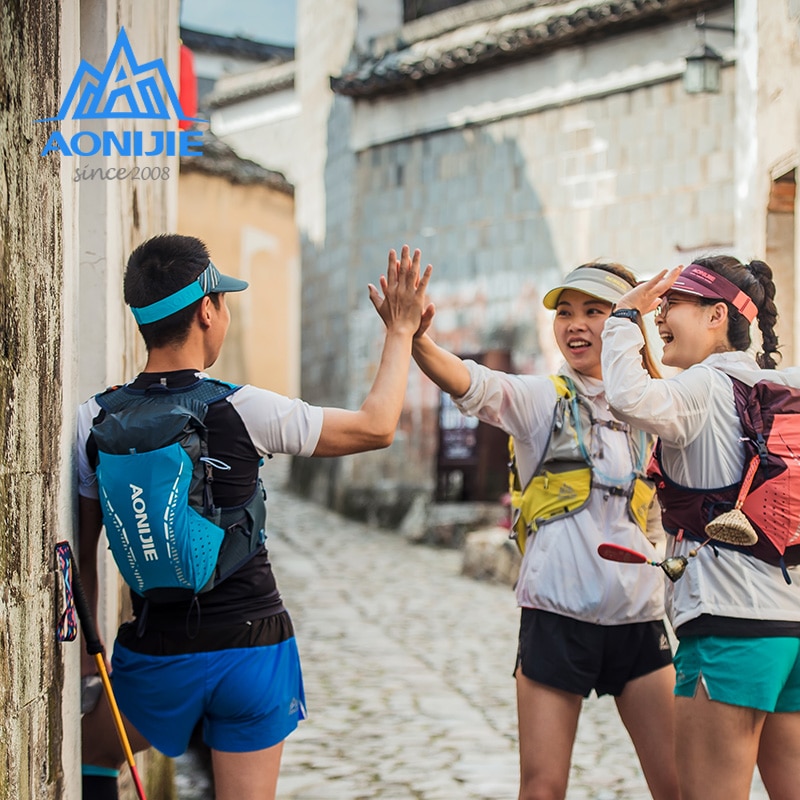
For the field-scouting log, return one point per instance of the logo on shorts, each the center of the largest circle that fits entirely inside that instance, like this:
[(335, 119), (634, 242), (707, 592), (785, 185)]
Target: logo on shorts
[(294, 706), (663, 642)]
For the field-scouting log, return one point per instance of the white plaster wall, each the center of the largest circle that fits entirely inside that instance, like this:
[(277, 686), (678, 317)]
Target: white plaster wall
[(767, 122), (287, 130), (325, 34), (101, 345), (376, 17), (212, 65), (266, 129), (779, 116), (751, 193), (109, 346)]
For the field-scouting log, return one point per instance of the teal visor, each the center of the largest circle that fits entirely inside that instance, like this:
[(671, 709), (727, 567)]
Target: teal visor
[(209, 281)]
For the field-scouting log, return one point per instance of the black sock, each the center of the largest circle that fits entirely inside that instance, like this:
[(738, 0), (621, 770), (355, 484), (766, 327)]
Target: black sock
[(99, 787)]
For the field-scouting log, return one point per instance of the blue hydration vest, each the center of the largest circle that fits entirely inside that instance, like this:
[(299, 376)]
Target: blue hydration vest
[(155, 479)]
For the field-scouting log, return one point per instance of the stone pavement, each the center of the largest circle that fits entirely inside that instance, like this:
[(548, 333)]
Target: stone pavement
[(407, 668)]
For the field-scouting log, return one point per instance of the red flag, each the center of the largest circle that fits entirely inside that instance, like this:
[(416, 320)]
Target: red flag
[(188, 86)]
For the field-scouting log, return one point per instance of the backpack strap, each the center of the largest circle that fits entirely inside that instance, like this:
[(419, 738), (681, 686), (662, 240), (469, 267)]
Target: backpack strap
[(565, 389), (567, 403), (205, 391), (196, 397)]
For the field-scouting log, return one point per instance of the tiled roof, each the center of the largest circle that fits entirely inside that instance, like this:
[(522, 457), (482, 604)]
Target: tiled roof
[(463, 38), (221, 160), (270, 78), (202, 42)]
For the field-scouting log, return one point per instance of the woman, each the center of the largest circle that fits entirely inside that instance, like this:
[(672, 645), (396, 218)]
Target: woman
[(737, 618), (586, 623)]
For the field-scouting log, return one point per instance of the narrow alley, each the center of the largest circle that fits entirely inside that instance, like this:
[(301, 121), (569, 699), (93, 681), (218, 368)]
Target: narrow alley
[(407, 668)]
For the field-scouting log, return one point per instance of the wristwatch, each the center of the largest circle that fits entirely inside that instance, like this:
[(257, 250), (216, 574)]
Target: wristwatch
[(627, 313)]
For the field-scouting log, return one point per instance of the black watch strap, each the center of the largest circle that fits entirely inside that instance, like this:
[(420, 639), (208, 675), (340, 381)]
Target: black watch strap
[(627, 313)]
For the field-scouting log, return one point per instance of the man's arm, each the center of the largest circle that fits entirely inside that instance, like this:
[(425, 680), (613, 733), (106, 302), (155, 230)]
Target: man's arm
[(373, 425), (444, 368)]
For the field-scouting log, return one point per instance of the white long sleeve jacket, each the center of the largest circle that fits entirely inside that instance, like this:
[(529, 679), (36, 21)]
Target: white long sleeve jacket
[(561, 571), (695, 416)]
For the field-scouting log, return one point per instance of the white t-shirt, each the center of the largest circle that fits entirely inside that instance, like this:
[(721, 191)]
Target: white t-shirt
[(274, 423)]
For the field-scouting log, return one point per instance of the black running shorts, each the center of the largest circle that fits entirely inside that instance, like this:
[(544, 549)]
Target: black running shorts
[(577, 656)]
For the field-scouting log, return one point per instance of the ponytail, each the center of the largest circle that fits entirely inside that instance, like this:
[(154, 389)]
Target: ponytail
[(767, 315), (755, 280)]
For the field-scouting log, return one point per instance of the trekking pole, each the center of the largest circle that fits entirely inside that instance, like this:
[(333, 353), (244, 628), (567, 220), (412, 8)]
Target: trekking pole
[(94, 647)]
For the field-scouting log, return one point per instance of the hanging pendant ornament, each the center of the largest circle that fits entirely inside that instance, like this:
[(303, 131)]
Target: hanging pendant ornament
[(733, 527), (673, 567)]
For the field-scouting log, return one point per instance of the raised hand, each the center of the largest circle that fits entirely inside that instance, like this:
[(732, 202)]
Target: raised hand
[(403, 290), (648, 295)]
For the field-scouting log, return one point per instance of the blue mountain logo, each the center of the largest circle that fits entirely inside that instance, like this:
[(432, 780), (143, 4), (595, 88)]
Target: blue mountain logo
[(124, 89)]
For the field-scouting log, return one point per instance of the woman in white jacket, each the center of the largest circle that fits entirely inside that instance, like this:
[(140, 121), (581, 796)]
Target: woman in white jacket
[(737, 617), (586, 623)]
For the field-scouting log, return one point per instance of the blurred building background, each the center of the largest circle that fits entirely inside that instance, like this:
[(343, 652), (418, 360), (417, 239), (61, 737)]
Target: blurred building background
[(511, 141), (245, 215)]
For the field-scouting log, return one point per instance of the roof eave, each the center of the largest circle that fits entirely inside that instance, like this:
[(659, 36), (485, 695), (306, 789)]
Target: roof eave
[(375, 76)]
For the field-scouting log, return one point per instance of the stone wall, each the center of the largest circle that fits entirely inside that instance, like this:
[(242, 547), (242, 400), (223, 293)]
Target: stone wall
[(505, 180), (63, 333), (502, 210), (31, 399)]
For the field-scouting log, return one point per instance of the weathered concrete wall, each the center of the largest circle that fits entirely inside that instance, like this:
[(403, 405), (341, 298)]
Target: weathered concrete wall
[(505, 179), (114, 216), (63, 332), (502, 209), (513, 175), (31, 403)]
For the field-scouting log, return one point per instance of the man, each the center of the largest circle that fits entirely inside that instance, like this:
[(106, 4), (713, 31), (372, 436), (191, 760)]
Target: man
[(227, 656)]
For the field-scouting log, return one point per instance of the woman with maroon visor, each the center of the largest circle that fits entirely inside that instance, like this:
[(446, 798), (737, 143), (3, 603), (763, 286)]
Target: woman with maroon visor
[(736, 617)]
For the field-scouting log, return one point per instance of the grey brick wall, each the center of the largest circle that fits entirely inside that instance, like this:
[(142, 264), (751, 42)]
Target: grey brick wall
[(502, 210)]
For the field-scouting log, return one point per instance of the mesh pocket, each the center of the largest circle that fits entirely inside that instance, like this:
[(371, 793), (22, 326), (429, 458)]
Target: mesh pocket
[(157, 539)]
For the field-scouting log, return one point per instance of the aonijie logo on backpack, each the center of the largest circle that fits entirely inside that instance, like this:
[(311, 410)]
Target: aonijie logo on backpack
[(155, 476), (143, 524)]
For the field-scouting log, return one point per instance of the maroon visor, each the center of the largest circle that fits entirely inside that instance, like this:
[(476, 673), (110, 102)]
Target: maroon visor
[(703, 282)]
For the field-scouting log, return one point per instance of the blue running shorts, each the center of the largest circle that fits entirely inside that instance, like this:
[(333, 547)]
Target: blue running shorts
[(248, 698), (757, 672)]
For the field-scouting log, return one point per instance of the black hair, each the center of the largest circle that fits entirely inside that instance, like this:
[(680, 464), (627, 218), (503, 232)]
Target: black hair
[(158, 268), (755, 280)]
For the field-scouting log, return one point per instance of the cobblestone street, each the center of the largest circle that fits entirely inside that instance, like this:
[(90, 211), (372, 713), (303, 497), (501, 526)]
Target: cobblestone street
[(407, 669)]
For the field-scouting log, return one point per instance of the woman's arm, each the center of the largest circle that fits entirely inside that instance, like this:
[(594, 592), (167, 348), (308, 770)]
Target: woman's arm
[(675, 409), (444, 368)]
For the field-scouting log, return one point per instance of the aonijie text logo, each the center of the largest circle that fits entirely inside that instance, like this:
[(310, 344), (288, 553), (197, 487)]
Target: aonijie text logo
[(123, 89)]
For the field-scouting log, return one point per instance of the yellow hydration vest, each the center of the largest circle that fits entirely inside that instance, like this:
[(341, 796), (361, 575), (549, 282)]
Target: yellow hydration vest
[(564, 478)]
